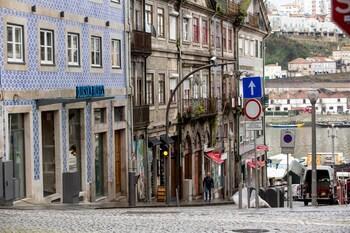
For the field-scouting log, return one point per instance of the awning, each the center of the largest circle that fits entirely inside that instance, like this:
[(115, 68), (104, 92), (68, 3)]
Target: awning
[(166, 140), (215, 156), (252, 163), (153, 141)]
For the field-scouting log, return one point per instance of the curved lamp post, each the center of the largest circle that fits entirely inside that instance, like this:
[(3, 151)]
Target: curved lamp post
[(313, 96), (167, 123)]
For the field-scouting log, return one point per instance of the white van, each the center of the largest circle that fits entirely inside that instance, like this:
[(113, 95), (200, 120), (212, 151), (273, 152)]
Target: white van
[(326, 185)]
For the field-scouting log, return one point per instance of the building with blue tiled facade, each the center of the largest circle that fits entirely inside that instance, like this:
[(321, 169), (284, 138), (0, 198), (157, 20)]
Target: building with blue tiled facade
[(63, 106)]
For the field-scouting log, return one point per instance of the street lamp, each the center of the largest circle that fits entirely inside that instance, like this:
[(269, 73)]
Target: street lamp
[(167, 123), (313, 96), (333, 135)]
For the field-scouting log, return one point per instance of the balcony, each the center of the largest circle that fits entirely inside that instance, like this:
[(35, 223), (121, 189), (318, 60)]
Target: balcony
[(253, 20), (141, 43), (200, 107), (141, 116), (232, 9)]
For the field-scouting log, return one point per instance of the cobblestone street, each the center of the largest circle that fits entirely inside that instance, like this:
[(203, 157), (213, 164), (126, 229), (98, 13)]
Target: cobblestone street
[(187, 219)]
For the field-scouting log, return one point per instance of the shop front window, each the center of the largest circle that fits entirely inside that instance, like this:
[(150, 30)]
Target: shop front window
[(48, 150), (99, 164), (75, 132)]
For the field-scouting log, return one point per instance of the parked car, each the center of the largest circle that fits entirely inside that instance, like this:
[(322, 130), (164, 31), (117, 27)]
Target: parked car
[(326, 185)]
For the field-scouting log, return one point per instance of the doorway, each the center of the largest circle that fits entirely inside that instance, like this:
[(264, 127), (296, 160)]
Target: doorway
[(17, 152), (99, 164), (76, 129), (198, 172), (118, 161), (48, 152)]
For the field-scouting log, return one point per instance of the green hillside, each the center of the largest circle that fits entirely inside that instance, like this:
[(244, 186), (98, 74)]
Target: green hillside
[(280, 49)]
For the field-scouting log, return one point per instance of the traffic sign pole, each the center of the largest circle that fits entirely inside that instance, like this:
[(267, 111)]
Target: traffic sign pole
[(287, 146), (256, 175)]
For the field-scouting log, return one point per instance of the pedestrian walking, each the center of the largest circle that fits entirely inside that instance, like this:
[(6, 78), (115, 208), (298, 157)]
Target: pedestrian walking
[(208, 184)]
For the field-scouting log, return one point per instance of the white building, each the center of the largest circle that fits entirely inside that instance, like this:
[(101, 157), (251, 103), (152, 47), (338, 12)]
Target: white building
[(311, 66), (273, 71), (302, 24), (299, 67), (332, 103), (322, 65)]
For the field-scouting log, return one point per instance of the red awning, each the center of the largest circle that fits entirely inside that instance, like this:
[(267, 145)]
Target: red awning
[(215, 156), (262, 148), (252, 163)]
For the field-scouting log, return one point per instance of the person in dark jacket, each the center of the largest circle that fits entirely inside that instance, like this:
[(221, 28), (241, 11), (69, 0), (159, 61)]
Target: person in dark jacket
[(208, 184)]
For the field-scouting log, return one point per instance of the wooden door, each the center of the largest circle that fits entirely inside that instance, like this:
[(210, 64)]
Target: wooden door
[(196, 177), (198, 173), (118, 168)]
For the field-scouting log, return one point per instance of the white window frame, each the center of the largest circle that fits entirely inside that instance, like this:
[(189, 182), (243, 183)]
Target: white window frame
[(12, 44), (71, 36), (161, 89), (172, 27), (229, 39), (97, 49), (148, 17), (172, 85), (150, 88), (186, 30), (246, 47), (187, 90), (47, 60), (160, 22), (252, 48), (116, 53), (241, 46)]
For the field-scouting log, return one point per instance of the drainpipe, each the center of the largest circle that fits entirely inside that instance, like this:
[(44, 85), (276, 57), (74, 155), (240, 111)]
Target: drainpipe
[(129, 134), (237, 75), (179, 106)]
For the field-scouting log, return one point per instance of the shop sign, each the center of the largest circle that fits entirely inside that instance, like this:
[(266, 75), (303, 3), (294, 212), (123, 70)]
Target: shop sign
[(89, 91)]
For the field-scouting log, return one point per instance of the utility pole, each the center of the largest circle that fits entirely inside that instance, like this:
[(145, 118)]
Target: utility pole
[(313, 96), (229, 165), (256, 174), (237, 76), (333, 135)]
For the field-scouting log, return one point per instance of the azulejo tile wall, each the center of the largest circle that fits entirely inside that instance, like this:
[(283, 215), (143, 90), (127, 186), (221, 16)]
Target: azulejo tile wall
[(35, 79)]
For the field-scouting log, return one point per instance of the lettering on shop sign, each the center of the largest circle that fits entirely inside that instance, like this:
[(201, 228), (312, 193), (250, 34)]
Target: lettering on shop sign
[(90, 91)]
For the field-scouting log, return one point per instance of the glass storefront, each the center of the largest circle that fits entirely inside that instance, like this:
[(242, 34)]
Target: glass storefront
[(48, 151), (17, 151), (75, 139), (99, 164)]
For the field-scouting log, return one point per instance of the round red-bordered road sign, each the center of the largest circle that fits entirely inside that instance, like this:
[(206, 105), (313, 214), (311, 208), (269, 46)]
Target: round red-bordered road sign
[(252, 109)]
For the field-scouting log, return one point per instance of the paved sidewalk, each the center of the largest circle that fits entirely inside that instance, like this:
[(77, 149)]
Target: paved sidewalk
[(114, 204)]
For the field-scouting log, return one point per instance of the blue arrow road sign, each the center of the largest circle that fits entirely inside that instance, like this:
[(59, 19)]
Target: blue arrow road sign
[(252, 87)]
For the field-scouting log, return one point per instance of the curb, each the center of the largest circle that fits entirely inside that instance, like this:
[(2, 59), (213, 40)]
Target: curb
[(111, 205)]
